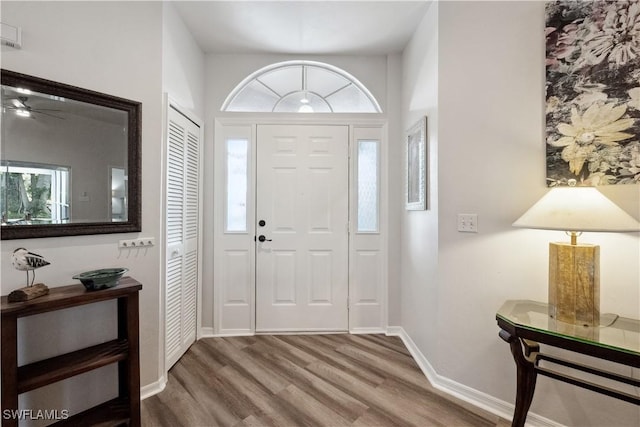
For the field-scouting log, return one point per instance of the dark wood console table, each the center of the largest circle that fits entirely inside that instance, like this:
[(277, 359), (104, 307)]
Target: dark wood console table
[(125, 409), (526, 324)]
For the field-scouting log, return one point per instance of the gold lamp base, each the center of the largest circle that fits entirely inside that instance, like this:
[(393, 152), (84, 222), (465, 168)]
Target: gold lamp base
[(574, 283)]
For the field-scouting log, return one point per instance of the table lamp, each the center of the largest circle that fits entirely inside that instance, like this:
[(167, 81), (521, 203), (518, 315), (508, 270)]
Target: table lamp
[(574, 269)]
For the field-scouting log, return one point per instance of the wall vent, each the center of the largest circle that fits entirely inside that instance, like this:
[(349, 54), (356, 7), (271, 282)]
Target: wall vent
[(10, 35)]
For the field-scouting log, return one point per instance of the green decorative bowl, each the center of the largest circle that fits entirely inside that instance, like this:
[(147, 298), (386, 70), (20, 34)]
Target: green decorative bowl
[(101, 279)]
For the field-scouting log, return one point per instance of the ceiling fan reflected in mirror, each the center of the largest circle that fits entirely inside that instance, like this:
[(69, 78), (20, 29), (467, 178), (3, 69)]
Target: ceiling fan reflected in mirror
[(23, 108)]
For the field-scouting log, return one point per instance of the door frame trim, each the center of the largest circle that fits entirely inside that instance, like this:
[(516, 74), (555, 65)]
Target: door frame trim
[(252, 121)]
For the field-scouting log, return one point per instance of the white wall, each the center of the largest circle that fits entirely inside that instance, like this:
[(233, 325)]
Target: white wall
[(115, 48), (419, 232), (182, 63), (490, 161), (395, 180)]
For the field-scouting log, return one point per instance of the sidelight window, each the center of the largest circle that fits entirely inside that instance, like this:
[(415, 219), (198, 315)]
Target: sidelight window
[(368, 185), (237, 164)]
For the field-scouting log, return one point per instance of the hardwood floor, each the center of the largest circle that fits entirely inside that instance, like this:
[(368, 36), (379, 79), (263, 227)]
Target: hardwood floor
[(304, 380)]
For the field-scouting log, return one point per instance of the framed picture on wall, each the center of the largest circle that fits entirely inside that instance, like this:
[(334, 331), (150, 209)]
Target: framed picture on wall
[(592, 93), (416, 166)]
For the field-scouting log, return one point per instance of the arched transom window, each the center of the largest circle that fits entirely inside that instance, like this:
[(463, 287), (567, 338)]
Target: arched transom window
[(301, 87)]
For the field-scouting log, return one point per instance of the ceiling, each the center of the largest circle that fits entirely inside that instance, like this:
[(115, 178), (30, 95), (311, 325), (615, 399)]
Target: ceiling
[(302, 27)]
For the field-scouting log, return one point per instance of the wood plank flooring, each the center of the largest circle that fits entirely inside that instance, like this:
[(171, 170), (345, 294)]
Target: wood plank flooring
[(304, 380)]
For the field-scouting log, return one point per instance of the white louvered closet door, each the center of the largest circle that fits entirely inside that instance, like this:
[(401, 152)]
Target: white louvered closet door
[(182, 231)]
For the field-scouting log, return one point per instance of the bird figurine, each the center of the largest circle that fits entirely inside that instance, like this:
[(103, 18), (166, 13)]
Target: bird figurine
[(24, 260)]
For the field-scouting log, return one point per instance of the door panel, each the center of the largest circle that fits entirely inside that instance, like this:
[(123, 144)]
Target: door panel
[(182, 234), (302, 195)]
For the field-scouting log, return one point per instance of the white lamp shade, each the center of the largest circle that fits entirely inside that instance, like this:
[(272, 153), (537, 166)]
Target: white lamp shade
[(577, 209)]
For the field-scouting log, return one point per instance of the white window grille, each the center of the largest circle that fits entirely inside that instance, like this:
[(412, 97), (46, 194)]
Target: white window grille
[(301, 87)]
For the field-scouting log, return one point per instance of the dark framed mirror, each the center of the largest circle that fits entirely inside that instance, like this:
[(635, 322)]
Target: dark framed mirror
[(70, 160)]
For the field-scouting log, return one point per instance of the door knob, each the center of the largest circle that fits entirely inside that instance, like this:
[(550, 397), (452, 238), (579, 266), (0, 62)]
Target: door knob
[(262, 223), (262, 238)]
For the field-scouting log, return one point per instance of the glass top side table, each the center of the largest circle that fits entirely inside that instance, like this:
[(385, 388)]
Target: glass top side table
[(526, 324)]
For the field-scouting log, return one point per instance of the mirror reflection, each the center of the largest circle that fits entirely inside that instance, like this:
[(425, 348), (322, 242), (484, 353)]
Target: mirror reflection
[(58, 159), (67, 158)]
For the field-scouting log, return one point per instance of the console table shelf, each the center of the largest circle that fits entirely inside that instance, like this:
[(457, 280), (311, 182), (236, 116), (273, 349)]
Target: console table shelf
[(115, 412), (124, 350), (45, 372)]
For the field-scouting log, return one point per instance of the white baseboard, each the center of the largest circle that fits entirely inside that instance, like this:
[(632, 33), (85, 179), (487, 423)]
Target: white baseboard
[(234, 333), (367, 331), (206, 332), (153, 388), (460, 391), (394, 331)]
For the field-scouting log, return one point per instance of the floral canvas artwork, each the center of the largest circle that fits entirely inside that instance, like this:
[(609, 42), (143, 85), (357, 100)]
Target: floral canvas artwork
[(593, 92)]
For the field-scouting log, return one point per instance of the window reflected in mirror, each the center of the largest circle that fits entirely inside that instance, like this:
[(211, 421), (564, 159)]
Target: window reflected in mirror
[(33, 193), (118, 194)]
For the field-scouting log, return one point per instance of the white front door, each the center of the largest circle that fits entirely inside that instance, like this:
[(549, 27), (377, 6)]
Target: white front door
[(302, 204)]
